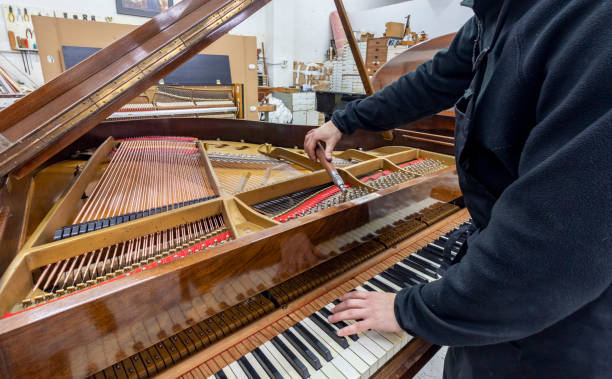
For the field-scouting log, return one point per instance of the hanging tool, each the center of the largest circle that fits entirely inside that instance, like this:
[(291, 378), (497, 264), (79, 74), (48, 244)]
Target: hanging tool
[(26, 16), (11, 15), (331, 170)]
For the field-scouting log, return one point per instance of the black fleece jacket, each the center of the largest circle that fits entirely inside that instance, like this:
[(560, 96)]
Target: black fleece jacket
[(532, 296)]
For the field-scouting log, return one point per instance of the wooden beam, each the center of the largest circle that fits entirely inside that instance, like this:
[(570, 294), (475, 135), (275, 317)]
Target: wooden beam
[(350, 36)]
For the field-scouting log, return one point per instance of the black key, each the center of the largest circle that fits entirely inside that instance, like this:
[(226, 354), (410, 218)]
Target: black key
[(329, 330), (66, 231), (420, 267), (248, 369), (340, 324), (82, 228), (394, 279), (302, 349), (418, 277), (432, 257), (98, 225), (58, 235), (314, 342), (91, 226), (370, 289), (74, 231), (290, 357), (220, 375), (381, 285), (105, 223), (337, 301), (407, 280), (266, 364)]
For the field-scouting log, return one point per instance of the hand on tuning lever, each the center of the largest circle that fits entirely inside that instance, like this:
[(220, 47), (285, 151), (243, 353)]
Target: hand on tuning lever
[(374, 310), (328, 133)]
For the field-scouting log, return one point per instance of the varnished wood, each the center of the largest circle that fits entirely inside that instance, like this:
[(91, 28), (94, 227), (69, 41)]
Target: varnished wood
[(158, 291)]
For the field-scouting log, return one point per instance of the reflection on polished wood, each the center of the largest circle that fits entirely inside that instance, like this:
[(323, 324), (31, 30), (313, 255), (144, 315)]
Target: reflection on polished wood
[(139, 293)]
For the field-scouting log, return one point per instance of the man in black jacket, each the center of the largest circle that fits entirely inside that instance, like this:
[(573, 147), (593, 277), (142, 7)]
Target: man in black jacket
[(532, 296)]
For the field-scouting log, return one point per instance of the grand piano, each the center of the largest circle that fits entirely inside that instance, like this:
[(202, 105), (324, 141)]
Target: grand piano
[(199, 247)]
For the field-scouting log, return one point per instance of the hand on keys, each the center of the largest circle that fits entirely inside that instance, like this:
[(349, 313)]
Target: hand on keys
[(374, 310)]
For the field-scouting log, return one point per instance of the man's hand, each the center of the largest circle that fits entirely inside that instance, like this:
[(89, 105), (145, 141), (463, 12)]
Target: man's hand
[(327, 133), (374, 310)]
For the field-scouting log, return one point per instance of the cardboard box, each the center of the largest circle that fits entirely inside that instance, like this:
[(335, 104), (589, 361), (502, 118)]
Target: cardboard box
[(394, 30)]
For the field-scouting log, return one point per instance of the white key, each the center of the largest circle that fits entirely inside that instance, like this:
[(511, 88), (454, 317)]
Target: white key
[(436, 265), (229, 373), (424, 275), (327, 367), (345, 368), (372, 348), (356, 346), (273, 360), (314, 373), (383, 343), (256, 366), (237, 370), (336, 351), (390, 284), (280, 359)]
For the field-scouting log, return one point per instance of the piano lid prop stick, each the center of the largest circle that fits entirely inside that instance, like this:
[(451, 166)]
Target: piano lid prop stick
[(329, 167)]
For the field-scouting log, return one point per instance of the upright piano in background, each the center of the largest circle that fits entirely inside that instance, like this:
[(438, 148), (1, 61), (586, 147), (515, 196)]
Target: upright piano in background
[(201, 247)]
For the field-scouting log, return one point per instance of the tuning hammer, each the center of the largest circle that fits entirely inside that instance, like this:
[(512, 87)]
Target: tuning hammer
[(329, 167)]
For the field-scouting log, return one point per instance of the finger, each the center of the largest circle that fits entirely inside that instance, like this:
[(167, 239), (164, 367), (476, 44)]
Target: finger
[(350, 304), (355, 328), (355, 295), (349, 314), (309, 147), (329, 149)]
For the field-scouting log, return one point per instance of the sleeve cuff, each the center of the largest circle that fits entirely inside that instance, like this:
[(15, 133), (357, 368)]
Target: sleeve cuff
[(401, 311)]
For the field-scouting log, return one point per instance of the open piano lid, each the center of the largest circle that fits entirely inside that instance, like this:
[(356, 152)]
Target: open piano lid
[(41, 124)]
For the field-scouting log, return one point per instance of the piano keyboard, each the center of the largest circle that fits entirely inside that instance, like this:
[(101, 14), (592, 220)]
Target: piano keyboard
[(427, 264), (302, 344)]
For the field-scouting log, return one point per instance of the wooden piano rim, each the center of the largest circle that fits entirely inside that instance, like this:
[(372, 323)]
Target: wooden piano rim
[(417, 349)]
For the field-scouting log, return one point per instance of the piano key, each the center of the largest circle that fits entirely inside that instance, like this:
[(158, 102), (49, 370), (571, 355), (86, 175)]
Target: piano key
[(325, 312), (248, 368), (292, 358), (314, 342), (394, 287), (278, 356), (315, 373), (429, 266), (409, 265), (394, 279), (237, 370), (403, 270), (220, 375), (405, 276), (257, 366), (336, 350), (302, 349), (327, 328), (267, 365), (327, 367)]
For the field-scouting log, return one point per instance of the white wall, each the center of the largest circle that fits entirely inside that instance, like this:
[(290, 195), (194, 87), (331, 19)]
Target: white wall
[(291, 29), (435, 17)]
